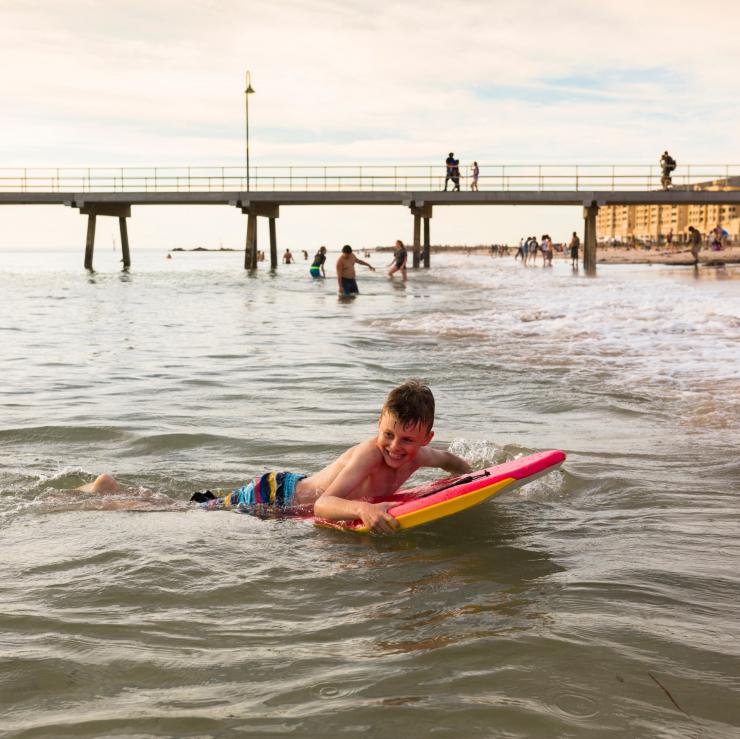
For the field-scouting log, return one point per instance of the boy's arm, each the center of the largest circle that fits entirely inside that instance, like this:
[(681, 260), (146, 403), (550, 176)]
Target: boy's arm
[(444, 460), (333, 503)]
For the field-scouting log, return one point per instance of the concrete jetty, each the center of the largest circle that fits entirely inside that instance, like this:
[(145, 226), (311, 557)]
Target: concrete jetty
[(421, 203)]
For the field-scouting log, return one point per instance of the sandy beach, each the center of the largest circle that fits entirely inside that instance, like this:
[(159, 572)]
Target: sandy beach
[(610, 255)]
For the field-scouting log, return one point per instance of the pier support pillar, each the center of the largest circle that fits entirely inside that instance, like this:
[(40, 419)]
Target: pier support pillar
[(590, 211), (273, 245), (427, 247), (250, 249), (121, 211), (417, 239), (252, 210), (421, 210), (90, 241), (125, 255)]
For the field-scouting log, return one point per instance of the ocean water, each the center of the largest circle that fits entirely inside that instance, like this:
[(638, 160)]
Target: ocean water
[(601, 600)]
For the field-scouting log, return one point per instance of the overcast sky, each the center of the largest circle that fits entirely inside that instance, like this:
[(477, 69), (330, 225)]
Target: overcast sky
[(161, 83)]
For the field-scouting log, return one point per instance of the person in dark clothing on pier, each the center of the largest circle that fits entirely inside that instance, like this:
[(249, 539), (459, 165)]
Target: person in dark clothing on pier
[(450, 163), (667, 165)]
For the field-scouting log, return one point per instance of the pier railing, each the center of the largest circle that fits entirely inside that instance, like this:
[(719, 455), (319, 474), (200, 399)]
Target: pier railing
[(362, 178)]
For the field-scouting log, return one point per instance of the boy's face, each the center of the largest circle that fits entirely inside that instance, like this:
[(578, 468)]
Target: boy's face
[(400, 444)]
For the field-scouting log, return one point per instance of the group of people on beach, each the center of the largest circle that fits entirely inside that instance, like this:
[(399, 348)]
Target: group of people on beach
[(529, 247)]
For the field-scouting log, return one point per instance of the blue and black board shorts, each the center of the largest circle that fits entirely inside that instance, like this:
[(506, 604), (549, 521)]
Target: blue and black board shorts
[(273, 489), (349, 286)]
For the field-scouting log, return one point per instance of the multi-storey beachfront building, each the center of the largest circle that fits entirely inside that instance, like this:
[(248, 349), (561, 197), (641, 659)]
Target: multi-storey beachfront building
[(653, 222)]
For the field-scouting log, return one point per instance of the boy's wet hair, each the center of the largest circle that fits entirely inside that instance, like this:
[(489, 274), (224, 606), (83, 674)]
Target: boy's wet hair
[(346, 249), (412, 404)]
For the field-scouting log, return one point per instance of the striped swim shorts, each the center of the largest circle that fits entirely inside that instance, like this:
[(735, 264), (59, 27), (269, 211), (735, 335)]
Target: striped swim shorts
[(274, 489)]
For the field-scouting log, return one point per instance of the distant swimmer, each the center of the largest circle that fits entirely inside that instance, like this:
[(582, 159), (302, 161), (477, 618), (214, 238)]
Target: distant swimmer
[(346, 278), (317, 268), (288, 257)]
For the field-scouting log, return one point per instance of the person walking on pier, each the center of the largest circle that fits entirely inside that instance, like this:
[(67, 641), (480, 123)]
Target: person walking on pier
[(317, 268), (575, 244), (450, 165), (456, 175), (667, 165), (346, 271), (474, 172)]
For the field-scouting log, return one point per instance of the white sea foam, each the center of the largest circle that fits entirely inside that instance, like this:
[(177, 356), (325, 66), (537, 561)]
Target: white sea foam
[(668, 335)]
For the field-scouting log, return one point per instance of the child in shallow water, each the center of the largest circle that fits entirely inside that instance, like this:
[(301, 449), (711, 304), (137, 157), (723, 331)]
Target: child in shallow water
[(341, 491)]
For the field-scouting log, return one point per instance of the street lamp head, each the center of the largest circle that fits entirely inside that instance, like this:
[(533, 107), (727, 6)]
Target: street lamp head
[(249, 89)]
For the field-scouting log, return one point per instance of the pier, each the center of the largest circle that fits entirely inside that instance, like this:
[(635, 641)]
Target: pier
[(113, 191)]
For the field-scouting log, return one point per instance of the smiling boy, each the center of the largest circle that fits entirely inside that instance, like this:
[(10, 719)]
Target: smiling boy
[(341, 491), (381, 464)]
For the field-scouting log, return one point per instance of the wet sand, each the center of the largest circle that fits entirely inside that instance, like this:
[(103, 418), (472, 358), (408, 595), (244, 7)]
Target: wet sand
[(730, 255)]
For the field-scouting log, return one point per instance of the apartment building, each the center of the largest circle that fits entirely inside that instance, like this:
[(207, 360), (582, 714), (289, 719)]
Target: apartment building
[(654, 222)]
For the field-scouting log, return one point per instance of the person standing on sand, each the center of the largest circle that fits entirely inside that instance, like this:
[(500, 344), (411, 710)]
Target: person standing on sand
[(695, 243), (575, 244), (346, 271)]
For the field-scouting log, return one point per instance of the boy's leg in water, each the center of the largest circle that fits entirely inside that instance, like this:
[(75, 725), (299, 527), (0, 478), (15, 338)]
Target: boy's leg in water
[(102, 484)]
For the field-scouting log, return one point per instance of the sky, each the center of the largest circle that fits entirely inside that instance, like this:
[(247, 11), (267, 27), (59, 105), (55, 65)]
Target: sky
[(111, 83)]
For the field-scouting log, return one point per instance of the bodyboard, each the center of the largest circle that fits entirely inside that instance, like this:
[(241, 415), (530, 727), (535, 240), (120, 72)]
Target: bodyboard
[(426, 503)]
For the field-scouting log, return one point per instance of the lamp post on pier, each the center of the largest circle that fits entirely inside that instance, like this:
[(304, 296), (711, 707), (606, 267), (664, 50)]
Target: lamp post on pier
[(247, 92)]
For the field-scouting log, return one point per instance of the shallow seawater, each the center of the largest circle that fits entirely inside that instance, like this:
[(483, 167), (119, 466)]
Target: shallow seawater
[(600, 600)]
